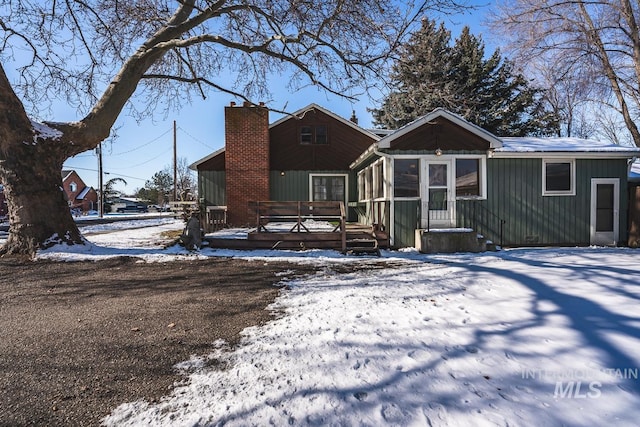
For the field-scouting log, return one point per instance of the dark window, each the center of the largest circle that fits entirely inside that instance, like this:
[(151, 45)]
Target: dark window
[(406, 178), (604, 207), (314, 135), (321, 134), (467, 177), (306, 135), (558, 177), (329, 188)]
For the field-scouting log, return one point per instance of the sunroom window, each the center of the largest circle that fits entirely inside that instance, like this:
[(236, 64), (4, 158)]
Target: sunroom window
[(467, 177), (406, 178), (558, 178)]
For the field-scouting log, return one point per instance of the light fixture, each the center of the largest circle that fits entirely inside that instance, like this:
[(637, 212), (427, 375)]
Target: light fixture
[(490, 153), (281, 173), (438, 152)]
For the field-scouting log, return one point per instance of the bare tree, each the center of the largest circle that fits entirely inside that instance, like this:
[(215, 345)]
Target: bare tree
[(96, 54), (595, 43)]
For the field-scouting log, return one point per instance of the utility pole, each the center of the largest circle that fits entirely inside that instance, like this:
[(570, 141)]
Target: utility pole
[(175, 164), (100, 185)]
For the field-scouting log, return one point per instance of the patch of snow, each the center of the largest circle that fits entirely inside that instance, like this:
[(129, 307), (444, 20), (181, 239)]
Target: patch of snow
[(525, 337), (533, 144), (544, 337), (42, 130)]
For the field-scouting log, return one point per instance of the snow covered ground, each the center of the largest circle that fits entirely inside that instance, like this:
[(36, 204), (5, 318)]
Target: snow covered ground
[(524, 337)]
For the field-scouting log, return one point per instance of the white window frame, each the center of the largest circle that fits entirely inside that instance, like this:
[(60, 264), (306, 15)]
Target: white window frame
[(346, 185), (73, 187), (572, 186), (482, 172)]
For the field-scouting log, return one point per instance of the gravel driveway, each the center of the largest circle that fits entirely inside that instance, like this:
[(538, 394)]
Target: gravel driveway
[(78, 339)]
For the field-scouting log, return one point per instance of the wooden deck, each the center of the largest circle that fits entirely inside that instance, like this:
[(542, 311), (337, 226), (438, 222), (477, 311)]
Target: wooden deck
[(358, 238), (305, 225)]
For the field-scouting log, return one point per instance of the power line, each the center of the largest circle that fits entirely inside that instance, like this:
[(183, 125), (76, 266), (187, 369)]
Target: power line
[(196, 139), (147, 161), (106, 173), (143, 145)]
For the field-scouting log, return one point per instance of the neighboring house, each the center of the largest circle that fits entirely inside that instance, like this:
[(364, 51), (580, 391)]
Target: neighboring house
[(439, 171), (80, 197)]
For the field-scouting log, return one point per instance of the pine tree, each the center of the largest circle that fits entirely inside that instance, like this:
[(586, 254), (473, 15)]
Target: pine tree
[(488, 92)]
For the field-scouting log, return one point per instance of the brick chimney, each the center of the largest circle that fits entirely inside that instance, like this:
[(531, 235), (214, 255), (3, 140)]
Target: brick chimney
[(247, 159)]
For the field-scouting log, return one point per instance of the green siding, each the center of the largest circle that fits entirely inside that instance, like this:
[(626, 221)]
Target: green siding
[(294, 185), (405, 222), (212, 187), (515, 195)]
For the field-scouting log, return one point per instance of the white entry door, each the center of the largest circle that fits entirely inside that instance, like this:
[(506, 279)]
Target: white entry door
[(605, 205), (438, 205)]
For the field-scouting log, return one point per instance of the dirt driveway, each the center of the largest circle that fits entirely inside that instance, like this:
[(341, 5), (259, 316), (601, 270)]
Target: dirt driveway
[(78, 339)]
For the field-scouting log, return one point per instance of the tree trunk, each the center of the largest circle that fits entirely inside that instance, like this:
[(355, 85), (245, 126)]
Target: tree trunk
[(31, 172), (39, 215)]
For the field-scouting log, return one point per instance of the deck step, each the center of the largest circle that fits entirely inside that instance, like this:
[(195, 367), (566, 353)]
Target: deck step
[(362, 246)]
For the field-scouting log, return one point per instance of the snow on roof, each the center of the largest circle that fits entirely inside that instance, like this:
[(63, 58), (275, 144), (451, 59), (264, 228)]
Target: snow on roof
[(83, 193), (533, 144)]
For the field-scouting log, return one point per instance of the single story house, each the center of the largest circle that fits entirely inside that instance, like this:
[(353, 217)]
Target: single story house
[(438, 172)]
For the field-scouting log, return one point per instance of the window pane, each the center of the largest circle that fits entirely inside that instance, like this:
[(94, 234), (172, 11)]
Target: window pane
[(306, 135), (467, 177), (361, 187), (328, 188), (558, 177), (604, 207), (406, 179), (438, 199), (321, 134), (379, 178), (437, 175)]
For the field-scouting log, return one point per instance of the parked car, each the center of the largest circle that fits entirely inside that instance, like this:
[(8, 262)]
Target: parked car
[(133, 208)]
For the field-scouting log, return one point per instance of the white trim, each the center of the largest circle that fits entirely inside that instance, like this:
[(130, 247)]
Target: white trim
[(494, 141), (483, 176), (572, 184), (346, 185), (605, 238), (426, 214)]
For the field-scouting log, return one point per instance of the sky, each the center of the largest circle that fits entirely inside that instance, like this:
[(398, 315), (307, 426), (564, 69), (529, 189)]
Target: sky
[(526, 337), (144, 148)]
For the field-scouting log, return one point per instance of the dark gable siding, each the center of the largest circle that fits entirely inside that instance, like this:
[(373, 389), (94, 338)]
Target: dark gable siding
[(215, 163), (440, 134), (345, 145)]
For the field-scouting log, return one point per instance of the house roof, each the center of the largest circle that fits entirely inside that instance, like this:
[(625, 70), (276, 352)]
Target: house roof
[(297, 114), (66, 173), (83, 193), (301, 112), (194, 165), (494, 141), (533, 146)]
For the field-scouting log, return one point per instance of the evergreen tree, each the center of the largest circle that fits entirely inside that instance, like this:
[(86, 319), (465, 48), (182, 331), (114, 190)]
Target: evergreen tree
[(488, 92)]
